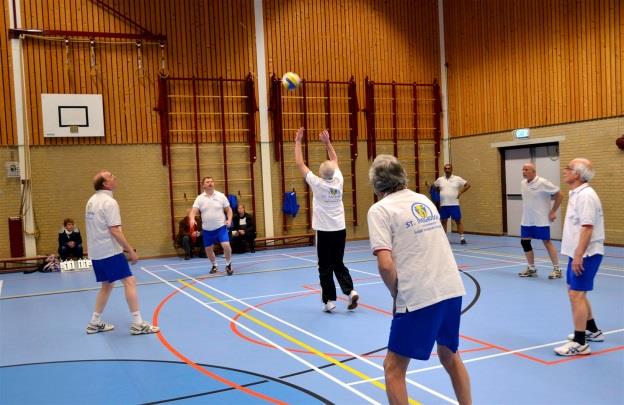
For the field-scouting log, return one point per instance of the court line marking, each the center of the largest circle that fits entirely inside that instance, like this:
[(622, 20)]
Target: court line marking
[(258, 335), (301, 330), (507, 353), (1, 281), (411, 382)]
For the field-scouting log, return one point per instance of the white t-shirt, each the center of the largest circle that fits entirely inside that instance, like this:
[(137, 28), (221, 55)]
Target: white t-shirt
[(536, 201), (584, 208), (449, 189), (327, 208), (102, 212), (408, 225), (212, 209)]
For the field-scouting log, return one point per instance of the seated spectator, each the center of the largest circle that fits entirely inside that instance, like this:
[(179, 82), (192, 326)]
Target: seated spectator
[(70, 241), (243, 231), (189, 241)]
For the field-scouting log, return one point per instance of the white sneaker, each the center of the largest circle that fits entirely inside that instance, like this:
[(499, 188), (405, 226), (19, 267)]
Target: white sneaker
[(99, 327), (143, 329), (590, 336), (353, 300), (555, 273), (573, 349), (529, 272), (329, 306)]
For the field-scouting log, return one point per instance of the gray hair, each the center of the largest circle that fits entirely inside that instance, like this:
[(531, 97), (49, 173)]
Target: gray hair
[(583, 168), (327, 169), (387, 175)]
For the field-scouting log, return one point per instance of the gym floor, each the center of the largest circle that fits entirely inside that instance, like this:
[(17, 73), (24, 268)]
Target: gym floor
[(260, 336)]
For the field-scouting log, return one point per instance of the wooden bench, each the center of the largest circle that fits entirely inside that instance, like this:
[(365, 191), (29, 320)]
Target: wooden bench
[(16, 264), (283, 241)]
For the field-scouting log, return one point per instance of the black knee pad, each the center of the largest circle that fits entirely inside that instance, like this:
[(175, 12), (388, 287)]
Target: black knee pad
[(526, 245)]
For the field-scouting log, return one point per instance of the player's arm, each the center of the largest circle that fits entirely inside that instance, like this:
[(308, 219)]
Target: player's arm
[(463, 190), (191, 217), (558, 197), (584, 239), (387, 271), (228, 214), (119, 236), (299, 153), (331, 152)]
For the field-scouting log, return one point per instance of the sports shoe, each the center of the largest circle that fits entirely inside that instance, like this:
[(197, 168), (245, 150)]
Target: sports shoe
[(353, 300), (99, 327), (329, 306), (590, 336), (214, 269), (228, 269), (556, 273), (143, 329), (573, 349), (529, 272), (463, 241)]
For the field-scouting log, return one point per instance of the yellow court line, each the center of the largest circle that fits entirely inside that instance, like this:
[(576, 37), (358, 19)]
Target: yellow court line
[(294, 340)]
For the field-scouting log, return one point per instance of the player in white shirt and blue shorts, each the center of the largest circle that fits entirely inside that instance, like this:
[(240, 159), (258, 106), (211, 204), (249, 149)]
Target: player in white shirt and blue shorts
[(537, 214), (451, 187), (417, 266)]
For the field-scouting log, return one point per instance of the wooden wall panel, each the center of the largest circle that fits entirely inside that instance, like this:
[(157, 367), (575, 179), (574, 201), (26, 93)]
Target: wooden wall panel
[(532, 63), (8, 135), (206, 39)]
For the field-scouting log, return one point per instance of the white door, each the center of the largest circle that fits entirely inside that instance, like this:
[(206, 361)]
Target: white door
[(546, 161)]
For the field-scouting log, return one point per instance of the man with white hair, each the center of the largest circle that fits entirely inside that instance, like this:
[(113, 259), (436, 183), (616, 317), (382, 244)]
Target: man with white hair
[(583, 243), (417, 266), (537, 214), (328, 220)]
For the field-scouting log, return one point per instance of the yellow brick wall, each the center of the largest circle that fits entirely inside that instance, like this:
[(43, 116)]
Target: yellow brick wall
[(9, 198), (474, 159)]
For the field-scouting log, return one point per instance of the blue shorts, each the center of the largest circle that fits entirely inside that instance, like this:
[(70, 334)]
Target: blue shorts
[(535, 232), (219, 235), (111, 269), (450, 211), (412, 334), (584, 282)]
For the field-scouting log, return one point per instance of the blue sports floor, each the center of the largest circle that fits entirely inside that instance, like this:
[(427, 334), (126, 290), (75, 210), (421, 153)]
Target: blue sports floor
[(260, 336)]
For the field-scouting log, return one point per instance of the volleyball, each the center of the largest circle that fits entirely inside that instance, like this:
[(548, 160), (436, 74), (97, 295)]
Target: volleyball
[(291, 81)]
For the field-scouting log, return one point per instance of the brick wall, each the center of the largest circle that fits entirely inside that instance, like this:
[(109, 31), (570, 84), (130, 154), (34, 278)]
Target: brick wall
[(474, 159)]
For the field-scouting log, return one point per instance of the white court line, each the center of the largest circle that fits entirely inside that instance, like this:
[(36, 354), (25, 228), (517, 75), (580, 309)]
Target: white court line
[(267, 340), (320, 339), (1, 281), (420, 370), (411, 382), (314, 261)]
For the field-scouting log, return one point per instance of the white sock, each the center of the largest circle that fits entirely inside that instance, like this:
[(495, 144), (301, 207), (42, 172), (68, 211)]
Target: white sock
[(556, 267), (96, 318), (461, 236), (136, 318), (532, 266), (228, 263), (214, 263)]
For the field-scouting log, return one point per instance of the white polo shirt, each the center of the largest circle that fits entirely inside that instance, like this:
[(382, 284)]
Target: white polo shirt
[(102, 212), (327, 207), (408, 225), (536, 201), (584, 208), (449, 189), (212, 209)]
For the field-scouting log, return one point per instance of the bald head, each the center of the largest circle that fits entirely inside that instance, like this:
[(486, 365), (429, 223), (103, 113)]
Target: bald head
[(327, 169), (528, 171), (104, 180)]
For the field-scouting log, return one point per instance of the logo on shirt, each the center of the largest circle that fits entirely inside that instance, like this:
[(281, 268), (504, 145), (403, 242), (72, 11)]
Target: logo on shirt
[(423, 213)]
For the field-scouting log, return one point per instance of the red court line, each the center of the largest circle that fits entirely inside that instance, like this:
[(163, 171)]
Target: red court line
[(238, 333), (199, 368)]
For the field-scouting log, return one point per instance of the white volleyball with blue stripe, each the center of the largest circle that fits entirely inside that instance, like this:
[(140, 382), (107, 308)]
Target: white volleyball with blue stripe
[(291, 81)]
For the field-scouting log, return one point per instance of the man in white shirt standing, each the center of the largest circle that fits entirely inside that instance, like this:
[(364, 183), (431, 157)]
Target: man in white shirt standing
[(583, 243), (328, 220), (451, 187), (537, 214), (106, 244), (216, 216), (417, 266)]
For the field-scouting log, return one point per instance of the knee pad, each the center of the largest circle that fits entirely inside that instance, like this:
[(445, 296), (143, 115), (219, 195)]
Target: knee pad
[(526, 245)]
